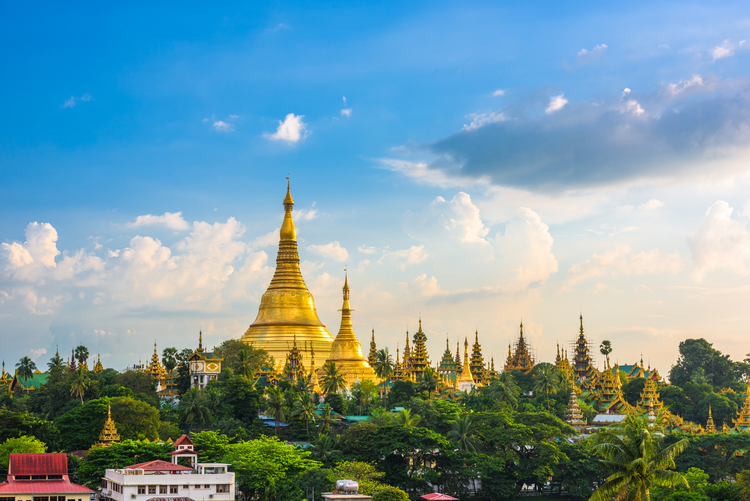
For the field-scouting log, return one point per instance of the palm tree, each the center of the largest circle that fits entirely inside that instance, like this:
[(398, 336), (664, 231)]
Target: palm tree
[(243, 366), (699, 377), (505, 389), (634, 456), (333, 380), (303, 383), (213, 400), (327, 419), (324, 446), (406, 419), (384, 364), (606, 348), (275, 405), (462, 435), (169, 359), (429, 381), (304, 408), (194, 407), (80, 382), (82, 354), (26, 368), (548, 380)]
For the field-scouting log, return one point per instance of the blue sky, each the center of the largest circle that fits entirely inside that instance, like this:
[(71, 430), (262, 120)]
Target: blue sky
[(475, 163)]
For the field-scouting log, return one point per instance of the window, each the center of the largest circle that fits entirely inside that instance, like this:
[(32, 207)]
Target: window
[(8, 499), (41, 498), (141, 489), (173, 489), (152, 489), (162, 489), (222, 488), (22, 477), (186, 487), (54, 477), (38, 477), (206, 486), (104, 483)]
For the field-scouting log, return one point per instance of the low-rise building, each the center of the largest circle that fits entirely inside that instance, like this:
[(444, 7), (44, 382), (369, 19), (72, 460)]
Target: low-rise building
[(41, 477)]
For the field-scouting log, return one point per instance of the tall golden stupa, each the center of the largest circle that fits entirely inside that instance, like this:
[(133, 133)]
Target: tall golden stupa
[(346, 351), (287, 309)]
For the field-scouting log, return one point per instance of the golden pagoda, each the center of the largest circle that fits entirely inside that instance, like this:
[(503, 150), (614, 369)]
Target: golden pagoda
[(109, 432), (742, 423), (294, 366), (478, 370), (582, 362), (419, 359), (314, 383), (491, 372), (573, 415), (155, 368), (520, 360), (563, 365), (98, 367), (710, 426), (372, 358), (466, 381), (287, 308), (448, 369), (406, 364), (346, 351), (649, 400), (398, 369)]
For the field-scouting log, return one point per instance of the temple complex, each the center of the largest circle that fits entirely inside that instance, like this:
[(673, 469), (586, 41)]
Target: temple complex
[(287, 314), (521, 359), (346, 350)]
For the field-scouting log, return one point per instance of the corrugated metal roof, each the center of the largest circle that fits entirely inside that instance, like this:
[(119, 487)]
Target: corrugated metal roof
[(43, 487), (55, 463)]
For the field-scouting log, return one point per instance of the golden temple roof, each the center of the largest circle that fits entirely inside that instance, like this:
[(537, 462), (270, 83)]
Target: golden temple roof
[(287, 308), (109, 432)]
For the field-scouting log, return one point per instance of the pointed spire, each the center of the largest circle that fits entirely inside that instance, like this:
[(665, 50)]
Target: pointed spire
[(521, 329), (57, 352), (200, 340), (288, 199), (581, 317)]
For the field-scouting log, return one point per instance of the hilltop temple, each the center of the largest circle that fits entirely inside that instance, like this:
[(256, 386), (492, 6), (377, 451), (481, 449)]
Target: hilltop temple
[(287, 314)]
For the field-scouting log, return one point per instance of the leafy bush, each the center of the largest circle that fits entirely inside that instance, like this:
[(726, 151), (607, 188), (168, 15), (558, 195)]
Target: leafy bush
[(389, 493)]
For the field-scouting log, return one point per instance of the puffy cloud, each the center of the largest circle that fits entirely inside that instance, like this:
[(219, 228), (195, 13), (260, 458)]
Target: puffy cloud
[(35, 354), (426, 286), (724, 50), (621, 260), (171, 220), (332, 250), (720, 243), (270, 238), (690, 129), (556, 103), (291, 130), (586, 56), (652, 204), (346, 112), (481, 119), (459, 219), (221, 126), (498, 92), (406, 257), (306, 214), (526, 250), (683, 85), (366, 250)]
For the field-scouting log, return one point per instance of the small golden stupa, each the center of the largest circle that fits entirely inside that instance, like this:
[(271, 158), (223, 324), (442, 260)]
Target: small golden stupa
[(287, 308), (346, 351), (109, 433)]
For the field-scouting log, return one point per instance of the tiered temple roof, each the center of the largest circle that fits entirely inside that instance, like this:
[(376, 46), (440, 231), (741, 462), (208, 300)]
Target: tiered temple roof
[(742, 423), (562, 364), (419, 359), (710, 426), (573, 415), (398, 370), (649, 401), (610, 399), (478, 370), (294, 367), (109, 433), (448, 369), (521, 359), (98, 367), (372, 358), (582, 361)]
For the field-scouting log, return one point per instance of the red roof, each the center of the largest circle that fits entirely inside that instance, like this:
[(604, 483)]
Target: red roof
[(158, 465), (43, 487), (38, 464), (436, 496), (184, 440), (184, 452)]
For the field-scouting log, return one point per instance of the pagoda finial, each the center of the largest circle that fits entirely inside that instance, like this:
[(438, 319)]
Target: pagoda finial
[(155, 352), (288, 199), (373, 334), (521, 328), (200, 340), (447, 346), (346, 285), (476, 336), (57, 353), (581, 317)]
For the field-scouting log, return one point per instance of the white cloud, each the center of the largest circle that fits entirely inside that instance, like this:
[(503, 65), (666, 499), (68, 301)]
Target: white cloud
[(682, 85), (652, 204), (526, 249), (556, 103), (481, 119), (346, 112), (426, 286), (344, 98), (406, 257), (724, 50), (35, 354), (458, 219), (366, 250), (332, 250), (742, 42), (498, 92), (171, 220), (720, 243), (627, 229), (621, 260), (586, 56), (423, 173), (270, 238), (291, 130), (221, 126), (306, 214), (70, 103), (625, 208)]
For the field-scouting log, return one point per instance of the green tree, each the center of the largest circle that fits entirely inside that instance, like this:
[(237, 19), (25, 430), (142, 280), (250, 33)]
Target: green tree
[(304, 408), (636, 459), (547, 380), (169, 358), (384, 364), (605, 349), (700, 354), (79, 382), (462, 435), (138, 382), (119, 455), (406, 419), (244, 365), (81, 354), (365, 474), (212, 446), (194, 408), (79, 427), (324, 447), (230, 349), (326, 418), (364, 392), (389, 493), (429, 381), (56, 368), (265, 462), (242, 399), (19, 424), (135, 419), (25, 368), (275, 405), (401, 392), (20, 445), (505, 389), (333, 379)]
